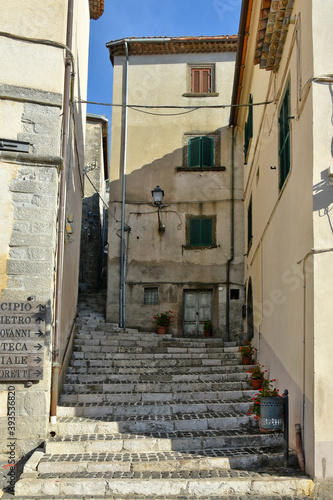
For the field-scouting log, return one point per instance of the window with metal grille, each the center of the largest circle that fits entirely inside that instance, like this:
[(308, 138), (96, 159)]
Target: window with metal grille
[(284, 139), (248, 130), (150, 296), (201, 152), (201, 80)]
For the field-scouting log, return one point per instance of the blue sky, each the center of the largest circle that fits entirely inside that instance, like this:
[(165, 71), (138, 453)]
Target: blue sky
[(140, 18)]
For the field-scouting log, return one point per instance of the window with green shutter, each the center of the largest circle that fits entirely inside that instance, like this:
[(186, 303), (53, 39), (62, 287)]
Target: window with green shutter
[(284, 139), (248, 130), (249, 225), (201, 152), (201, 232)]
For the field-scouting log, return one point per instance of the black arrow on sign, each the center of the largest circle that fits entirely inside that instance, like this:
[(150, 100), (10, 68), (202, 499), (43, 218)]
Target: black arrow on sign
[(37, 373), (39, 333), (39, 346), (40, 307), (38, 360), (40, 320)]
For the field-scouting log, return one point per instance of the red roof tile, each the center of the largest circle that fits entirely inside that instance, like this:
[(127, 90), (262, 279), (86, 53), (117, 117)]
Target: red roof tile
[(173, 45), (96, 8)]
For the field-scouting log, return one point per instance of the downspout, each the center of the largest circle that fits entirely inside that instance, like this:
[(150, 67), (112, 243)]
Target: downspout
[(61, 218), (122, 297), (232, 229)]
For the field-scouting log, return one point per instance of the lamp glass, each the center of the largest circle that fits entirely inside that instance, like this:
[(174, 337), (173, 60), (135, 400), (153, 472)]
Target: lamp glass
[(157, 194)]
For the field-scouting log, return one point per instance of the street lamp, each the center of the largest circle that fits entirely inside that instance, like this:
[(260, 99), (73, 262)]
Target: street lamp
[(157, 194)]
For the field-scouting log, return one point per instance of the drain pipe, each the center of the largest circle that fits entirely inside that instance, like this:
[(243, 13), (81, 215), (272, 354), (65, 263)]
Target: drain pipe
[(122, 297), (232, 228), (61, 218)]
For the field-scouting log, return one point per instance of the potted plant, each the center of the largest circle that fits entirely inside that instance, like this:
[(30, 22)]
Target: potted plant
[(267, 407), (207, 327), (162, 321), (257, 375), (246, 352)]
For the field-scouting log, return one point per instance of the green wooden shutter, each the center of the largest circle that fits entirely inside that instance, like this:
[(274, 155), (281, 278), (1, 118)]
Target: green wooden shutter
[(248, 130), (284, 139), (194, 152), (249, 224), (207, 152), (206, 232), (201, 232), (195, 232)]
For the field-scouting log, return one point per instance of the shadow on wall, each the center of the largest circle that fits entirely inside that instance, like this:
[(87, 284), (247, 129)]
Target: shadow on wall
[(163, 172), (322, 198)]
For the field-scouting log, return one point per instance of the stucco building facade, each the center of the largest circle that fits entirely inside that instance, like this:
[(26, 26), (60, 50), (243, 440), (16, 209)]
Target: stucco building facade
[(44, 74), (171, 130), (284, 62)]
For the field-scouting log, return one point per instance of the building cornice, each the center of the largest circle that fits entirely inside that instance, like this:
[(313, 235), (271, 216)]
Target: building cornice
[(173, 45)]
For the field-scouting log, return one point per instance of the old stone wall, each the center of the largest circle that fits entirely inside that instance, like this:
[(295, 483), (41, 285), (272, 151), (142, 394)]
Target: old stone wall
[(30, 275)]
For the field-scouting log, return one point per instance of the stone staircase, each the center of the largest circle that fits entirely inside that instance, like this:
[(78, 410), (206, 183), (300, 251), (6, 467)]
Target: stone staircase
[(145, 416)]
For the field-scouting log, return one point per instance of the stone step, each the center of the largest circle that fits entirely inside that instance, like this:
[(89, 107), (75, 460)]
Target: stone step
[(106, 368), (199, 484), (161, 461), (160, 423), (156, 363), (81, 435), (115, 346), (154, 387), (99, 352), (7, 496), (152, 353), (225, 373), (144, 406), (208, 397)]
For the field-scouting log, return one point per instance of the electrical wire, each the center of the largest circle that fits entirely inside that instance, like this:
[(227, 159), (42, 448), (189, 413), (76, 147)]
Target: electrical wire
[(138, 107), (163, 114)]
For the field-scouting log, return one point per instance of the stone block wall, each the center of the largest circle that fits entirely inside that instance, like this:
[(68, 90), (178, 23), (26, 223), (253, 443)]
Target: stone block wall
[(30, 269)]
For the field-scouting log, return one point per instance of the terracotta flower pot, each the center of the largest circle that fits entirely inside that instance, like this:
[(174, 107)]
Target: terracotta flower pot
[(207, 333), (246, 360), (161, 329), (257, 383)]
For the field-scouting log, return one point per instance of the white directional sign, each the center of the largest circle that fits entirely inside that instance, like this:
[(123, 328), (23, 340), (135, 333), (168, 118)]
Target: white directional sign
[(22, 340)]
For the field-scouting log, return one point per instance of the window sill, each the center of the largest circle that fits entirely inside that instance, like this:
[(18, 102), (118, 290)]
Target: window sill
[(208, 94), (199, 247), (201, 169)]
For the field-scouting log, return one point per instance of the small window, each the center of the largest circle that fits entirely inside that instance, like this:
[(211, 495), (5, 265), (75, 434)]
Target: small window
[(150, 296), (200, 231), (248, 130), (249, 225), (234, 294), (201, 80), (284, 138), (201, 152)]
